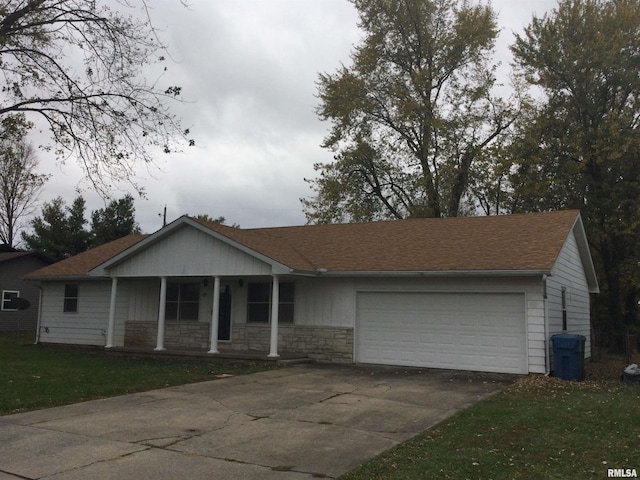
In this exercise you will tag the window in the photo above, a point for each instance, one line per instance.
(183, 302)
(70, 298)
(285, 305)
(9, 300)
(259, 302)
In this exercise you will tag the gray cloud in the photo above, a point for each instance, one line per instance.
(248, 70)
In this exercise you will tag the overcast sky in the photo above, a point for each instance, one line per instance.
(248, 69)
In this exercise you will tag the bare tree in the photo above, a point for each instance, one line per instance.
(19, 182)
(80, 66)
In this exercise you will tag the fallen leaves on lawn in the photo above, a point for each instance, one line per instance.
(599, 375)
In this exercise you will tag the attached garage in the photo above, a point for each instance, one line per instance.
(467, 331)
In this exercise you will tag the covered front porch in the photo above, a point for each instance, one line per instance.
(208, 314)
(189, 287)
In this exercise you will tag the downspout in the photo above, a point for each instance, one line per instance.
(39, 315)
(547, 352)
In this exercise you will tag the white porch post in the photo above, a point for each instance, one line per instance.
(215, 316)
(161, 313)
(275, 300)
(112, 313)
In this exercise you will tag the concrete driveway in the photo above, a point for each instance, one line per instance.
(298, 422)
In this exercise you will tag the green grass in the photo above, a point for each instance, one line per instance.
(539, 428)
(40, 376)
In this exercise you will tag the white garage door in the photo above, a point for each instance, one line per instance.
(463, 331)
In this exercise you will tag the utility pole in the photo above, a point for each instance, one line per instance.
(164, 216)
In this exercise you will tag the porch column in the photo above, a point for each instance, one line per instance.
(215, 316)
(161, 313)
(275, 300)
(112, 313)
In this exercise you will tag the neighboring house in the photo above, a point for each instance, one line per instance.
(473, 293)
(14, 265)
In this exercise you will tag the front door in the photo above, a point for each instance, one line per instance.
(224, 319)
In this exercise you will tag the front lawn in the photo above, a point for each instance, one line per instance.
(538, 428)
(39, 376)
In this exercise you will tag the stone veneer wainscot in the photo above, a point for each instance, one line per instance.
(323, 344)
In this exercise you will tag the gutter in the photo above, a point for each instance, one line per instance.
(69, 278)
(547, 352)
(38, 323)
(420, 274)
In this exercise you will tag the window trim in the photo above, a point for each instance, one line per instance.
(5, 300)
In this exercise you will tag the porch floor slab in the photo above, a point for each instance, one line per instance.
(227, 354)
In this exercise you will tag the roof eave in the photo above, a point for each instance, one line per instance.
(424, 273)
(59, 278)
(585, 255)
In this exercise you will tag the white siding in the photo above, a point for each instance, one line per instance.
(568, 272)
(190, 252)
(325, 302)
(332, 302)
(144, 295)
(535, 329)
(89, 325)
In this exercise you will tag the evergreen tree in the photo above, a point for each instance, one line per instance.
(114, 221)
(59, 233)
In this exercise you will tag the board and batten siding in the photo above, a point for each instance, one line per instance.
(189, 252)
(536, 342)
(87, 326)
(325, 302)
(333, 301)
(144, 297)
(568, 272)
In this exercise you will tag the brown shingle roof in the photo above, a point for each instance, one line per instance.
(79, 265)
(6, 256)
(505, 242)
(525, 242)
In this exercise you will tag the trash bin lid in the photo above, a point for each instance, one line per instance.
(565, 340)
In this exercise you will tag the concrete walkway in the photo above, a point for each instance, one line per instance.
(298, 422)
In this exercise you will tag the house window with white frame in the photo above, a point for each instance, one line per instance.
(70, 298)
(10, 300)
(259, 302)
(183, 302)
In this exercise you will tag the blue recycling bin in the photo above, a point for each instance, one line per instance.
(568, 356)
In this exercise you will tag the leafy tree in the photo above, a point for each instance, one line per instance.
(114, 221)
(19, 182)
(59, 233)
(579, 149)
(219, 220)
(78, 65)
(412, 113)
